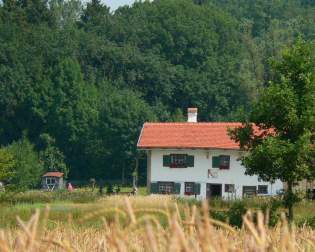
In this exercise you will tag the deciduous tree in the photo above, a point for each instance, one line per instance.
(285, 115)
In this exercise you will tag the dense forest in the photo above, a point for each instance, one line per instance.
(77, 80)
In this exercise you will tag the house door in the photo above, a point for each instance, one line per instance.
(249, 191)
(214, 190)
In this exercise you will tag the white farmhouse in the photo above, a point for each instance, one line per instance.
(198, 160)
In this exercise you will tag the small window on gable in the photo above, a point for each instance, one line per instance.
(262, 189)
(229, 188)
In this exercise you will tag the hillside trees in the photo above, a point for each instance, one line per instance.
(285, 113)
(121, 114)
(69, 70)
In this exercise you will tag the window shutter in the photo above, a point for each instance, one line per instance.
(190, 161)
(166, 160)
(197, 188)
(177, 188)
(215, 161)
(154, 187)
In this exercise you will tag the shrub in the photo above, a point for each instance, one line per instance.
(236, 212)
(272, 207)
(27, 166)
(219, 215)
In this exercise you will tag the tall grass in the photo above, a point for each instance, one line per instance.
(136, 224)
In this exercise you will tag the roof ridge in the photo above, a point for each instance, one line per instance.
(192, 123)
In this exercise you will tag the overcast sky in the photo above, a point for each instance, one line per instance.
(114, 4)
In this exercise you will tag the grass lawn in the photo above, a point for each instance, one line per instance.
(142, 223)
(85, 221)
(86, 208)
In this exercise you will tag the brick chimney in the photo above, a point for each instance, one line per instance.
(192, 114)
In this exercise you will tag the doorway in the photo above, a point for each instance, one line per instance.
(214, 191)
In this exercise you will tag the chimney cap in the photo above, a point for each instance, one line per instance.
(192, 110)
(192, 115)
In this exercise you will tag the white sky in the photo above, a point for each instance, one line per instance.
(114, 4)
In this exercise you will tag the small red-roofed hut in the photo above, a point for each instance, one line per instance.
(53, 181)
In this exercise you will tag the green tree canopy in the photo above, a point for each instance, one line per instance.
(6, 165)
(51, 157)
(27, 166)
(64, 63)
(285, 114)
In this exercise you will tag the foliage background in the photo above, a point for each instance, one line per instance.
(89, 78)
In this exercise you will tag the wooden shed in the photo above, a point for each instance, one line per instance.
(53, 181)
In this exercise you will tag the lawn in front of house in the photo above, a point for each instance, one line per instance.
(86, 207)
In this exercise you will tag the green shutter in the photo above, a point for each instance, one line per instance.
(166, 160)
(215, 161)
(177, 188)
(197, 188)
(154, 187)
(190, 161)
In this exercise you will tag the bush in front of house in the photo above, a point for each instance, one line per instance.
(219, 215)
(271, 208)
(233, 211)
(236, 212)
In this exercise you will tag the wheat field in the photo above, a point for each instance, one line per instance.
(136, 224)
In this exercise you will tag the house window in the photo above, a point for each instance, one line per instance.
(262, 189)
(229, 188)
(166, 187)
(50, 181)
(178, 161)
(222, 162)
(189, 188)
(249, 191)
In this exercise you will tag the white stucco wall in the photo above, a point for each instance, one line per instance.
(199, 173)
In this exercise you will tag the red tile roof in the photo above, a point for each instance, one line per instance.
(53, 174)
(187, 135)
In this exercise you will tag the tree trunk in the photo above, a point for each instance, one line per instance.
(290, 201)
(123, 174)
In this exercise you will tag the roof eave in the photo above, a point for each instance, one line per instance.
(188, 147)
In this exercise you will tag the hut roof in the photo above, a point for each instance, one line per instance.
(54, 174)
